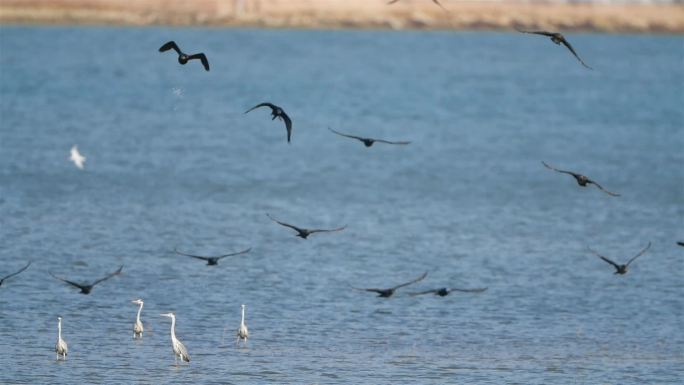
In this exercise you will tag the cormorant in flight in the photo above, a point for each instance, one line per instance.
(621, 269)
(558, 39)
(304, 233)
(443, 292)
(183, 57)
(212, 261)
(581, 179)
(85, 287)
(367, 141)
(386, 293)
(13, 274)
(277, 112)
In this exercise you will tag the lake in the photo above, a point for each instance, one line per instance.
(173, 162)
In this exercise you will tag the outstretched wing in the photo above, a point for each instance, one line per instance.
(245, 251)
(543, 33)
(424, 292)
(347, 135)
(568, 46)
(270, 105)
(559, 170)
(605, 259)
(680, 243)
(602, 189)
(379, 291)
(283, 223)
(478, 290)
(170, 45)
(411, 282)
(72, 283)
(392, 1)
(403, 143)
(175, 250)
(202, 58)
(13, 274)
(117, 272)
(288, 125)
(327, 230)
(640, 253)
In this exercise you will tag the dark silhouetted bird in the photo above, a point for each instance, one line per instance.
(212, 261)
(621, 269)
(443, 291)
(581, 179)
(304, 233)
(183, 57)
(367, 141)
(85, 287)
(15, 273)
(386, 293)
(558, 39)
(277, 112)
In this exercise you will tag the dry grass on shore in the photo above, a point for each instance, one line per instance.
(349, 14)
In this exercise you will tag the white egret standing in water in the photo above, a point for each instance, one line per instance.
(242, 333)
(138, 326)
(61, 347)
(179, 350)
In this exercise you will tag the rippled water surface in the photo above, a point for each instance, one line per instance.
(172, 161)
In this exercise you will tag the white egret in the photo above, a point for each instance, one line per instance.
(243, 332)
(138, 326)
(179, 350)
(61, 347)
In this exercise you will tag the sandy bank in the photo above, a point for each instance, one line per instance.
(349, 14)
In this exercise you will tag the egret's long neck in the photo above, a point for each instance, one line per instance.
(139, 311)
(59, 329)
(243, 316)
(173, 327)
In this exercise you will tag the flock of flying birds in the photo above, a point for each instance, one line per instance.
(242, 334)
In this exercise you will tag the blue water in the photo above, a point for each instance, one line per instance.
(172, 161)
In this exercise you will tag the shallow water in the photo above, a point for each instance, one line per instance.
(172, 161)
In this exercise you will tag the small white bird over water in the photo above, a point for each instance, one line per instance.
(61, 346)
(76, 157)
(242, 333)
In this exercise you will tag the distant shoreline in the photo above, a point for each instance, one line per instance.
(350, 14)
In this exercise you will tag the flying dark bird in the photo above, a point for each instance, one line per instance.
(680, 243)
(85, 287)
(581, 179)
(443, 292)
(386, 293)
(277, 112)
(621, 269)
(304, 233)
(434, 1)
(212, 261)
(367, 141)
(13, 274)
(558, 39)
(183, 57)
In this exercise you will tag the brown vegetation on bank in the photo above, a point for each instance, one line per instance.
(350, 14)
